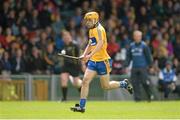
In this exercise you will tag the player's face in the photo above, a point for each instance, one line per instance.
(89, 23)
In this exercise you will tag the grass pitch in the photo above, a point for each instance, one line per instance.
(95, 110)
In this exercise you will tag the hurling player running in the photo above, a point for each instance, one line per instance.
(99, 62)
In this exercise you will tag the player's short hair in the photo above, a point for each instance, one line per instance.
(92, 16)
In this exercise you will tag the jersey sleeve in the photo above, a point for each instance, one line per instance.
(100, 34)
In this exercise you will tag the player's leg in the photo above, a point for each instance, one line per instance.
(108, 85)
(64, 83)
(88, 76)
(104, 69)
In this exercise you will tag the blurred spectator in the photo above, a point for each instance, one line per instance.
(24, 34)
(32, 21)
(167, 80)
(22, 18)
(59, 44)
(113, 47)
(11, 20)
(13, 47)
(77, 17)
(36, 63)
(28, 23)
(49, 33)
(118, 63)
(177, 48)
(45, 16)
(161, 54)
(1, 64)
(18, 63)
(176, 66)
(42, 43)
(168, 44)
(159, 10)
(51, 60)
(2, 39)
(125, 42)
(9, 36)
(58, 25)
(143, 17)
(81, 38)
(5, 61)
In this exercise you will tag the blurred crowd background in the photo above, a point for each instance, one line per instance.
(30, 31)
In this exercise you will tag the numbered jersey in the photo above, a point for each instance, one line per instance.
(96, 34)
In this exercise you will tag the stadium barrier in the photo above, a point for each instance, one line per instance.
(15, 90)
(47, 87)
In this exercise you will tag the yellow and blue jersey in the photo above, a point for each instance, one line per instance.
(100, 61)
(95, 35)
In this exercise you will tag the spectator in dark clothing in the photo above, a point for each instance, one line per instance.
(11, 20)
(176, 66)
(159, 10)
(177, 48)
(45, 17)
(18, 63)
(32, 21)
(36, 64)
(169, 8)
(42, 44)
(22, 18)
(3, 13)
(143, 18)
(51, 60)
(5, 61)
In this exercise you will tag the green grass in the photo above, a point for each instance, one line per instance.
(95, 110)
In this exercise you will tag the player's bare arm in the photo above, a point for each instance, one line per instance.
(86, 52)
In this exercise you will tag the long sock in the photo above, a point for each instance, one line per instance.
(64, 92)
(123, 84)
(82, 103)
